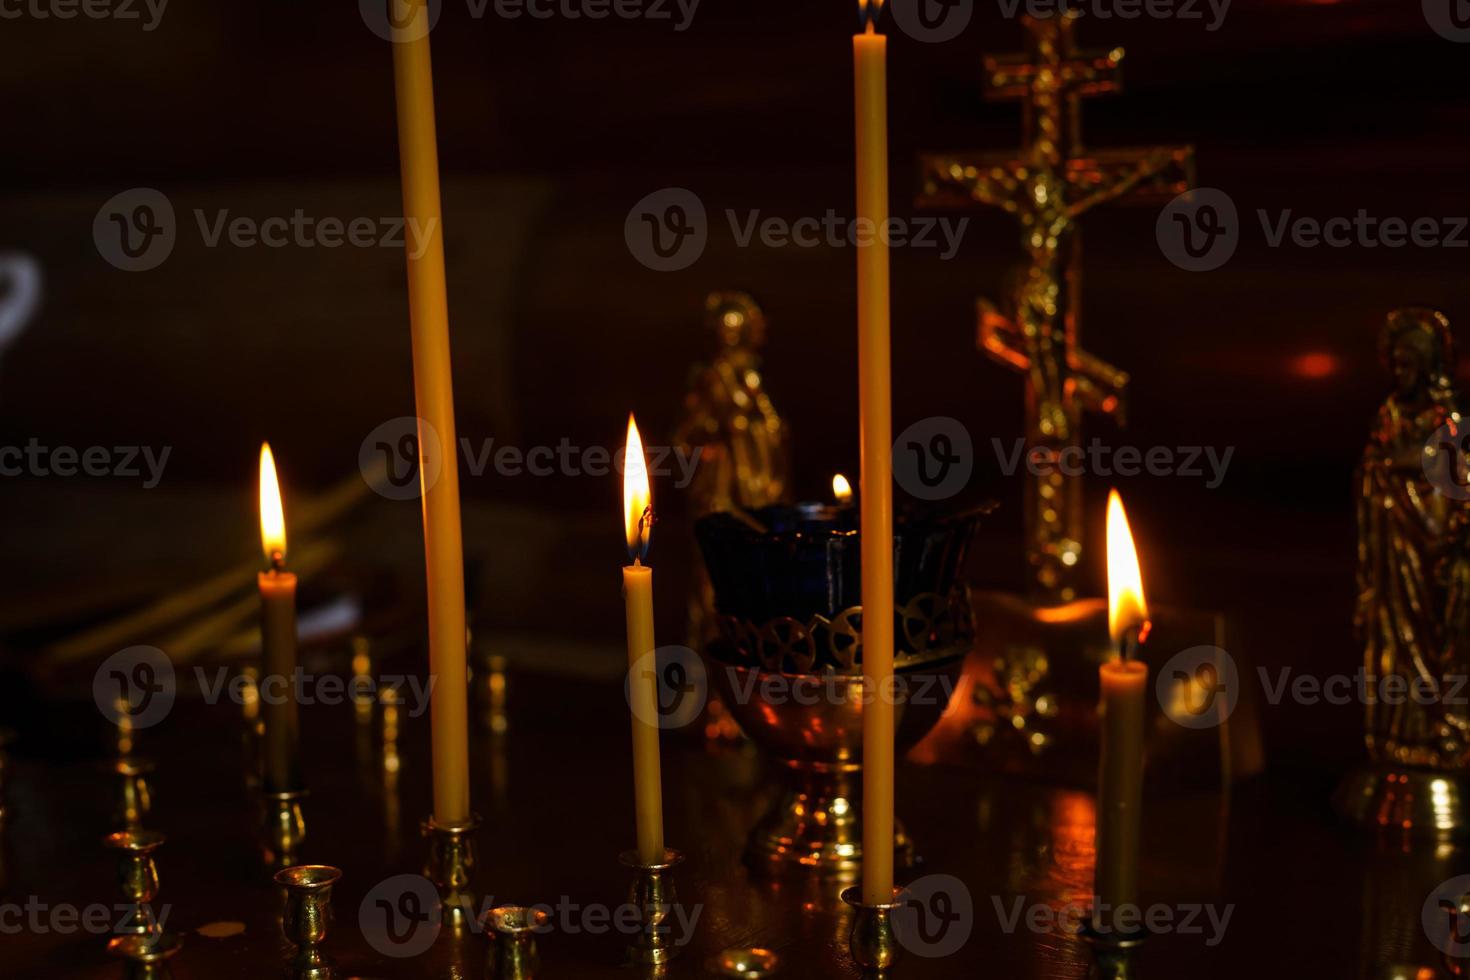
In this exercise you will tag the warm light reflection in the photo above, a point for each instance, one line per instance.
(1314, 365)
(1126, 606)
(637, 499)
(841, 489)
(272, 519)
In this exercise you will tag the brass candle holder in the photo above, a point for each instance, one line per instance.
(134, 792)
(283, 828)
(654, 896)
(308, 916)
(144, 957)
(872, 942)
(1113, 952)
(140, 942)
(513, 954)
(451, 866)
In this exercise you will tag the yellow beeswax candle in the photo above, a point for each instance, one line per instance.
(434, 396)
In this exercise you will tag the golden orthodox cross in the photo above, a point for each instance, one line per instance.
(1048, 186)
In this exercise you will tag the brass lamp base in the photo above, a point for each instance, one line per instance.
(816, 825)
(1420, 802)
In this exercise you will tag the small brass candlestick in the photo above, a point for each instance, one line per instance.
(872, 942)
(308, 916)
(513, 954)
(135, 794)
(451, 866)
(654, 896)
(137, 876)
(1112, 952)
(283, 828)
(140, 941)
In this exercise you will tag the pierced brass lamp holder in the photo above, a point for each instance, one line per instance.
(308, 916)
(872, 942)
(450, 865)
(1113, 952)
(283, 828)
(513, 954)
(654, 896)
(1423, 803)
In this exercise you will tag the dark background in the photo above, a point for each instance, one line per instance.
(549, 132)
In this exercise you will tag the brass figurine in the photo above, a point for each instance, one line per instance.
(744, 446)
(1413, 606)
(1048, 188)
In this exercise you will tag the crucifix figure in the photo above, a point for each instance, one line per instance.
(1048, 187)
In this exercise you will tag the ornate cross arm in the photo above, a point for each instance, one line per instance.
(958, 180)
(1141, 176)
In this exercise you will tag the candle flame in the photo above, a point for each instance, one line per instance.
(868, 11)
(1126, 606)
(637, 499)
(272, 518)
(841, 489)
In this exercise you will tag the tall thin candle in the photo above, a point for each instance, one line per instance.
(277, 638)
(642, 689)
(434, 395)
(1124, 685)
(870, 76)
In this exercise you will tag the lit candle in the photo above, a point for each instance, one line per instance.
(434, 396)
(870, 77)
(277, 637)
(1124, 684)
(642, 684)
(841, 490)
